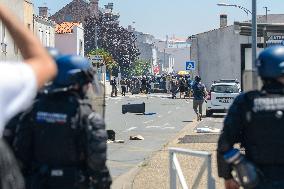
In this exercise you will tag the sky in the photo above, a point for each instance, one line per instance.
(180, 18)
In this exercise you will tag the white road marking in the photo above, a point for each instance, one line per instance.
(130, 129)
(166, 124)
(169, 112)
(146, 122)
(160, 116)
(150, 127)
(168, 128)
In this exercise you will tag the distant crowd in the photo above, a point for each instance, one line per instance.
(174, 84)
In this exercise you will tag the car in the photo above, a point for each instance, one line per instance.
(221, 96)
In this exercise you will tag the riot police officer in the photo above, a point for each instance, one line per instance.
(199, 95)
(10, 128)
(256, 120)
(61, 142)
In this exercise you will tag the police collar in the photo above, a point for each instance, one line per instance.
(273, 87)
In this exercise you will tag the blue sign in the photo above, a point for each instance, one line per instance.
(190, 65)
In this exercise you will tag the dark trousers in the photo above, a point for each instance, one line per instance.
(114, 90)
(197, 106)
(123, 90)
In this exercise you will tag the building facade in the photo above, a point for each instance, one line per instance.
(45, 30)
(225, 54)
(178, 51)
(28, 14)
(148, 51)
(8, 49)
(69, 38)
(76, 11)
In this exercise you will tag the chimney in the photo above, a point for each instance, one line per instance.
(43, 12)
(94, 8)
(129, 28)
(223, 20)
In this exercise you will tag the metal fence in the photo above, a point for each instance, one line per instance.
(176, 171)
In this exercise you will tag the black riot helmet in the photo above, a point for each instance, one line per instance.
(270, 63)
(74, 71)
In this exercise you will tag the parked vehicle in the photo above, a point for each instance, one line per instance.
(221, 96)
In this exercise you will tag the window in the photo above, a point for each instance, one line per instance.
(40, 34)
(16, 49)
(68, 18)
(81, 47)
(3, 39)
(47, 38)
(225, 89)
(3, 33)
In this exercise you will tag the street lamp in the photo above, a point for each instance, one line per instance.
(234, 5)
(253, 35)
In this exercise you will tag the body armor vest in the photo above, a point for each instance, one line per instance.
(264, 128)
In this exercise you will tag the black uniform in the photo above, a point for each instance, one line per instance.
(256, 121)
(61, 143)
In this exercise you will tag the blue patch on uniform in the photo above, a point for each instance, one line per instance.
(47, 117)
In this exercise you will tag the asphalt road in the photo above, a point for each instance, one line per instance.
(213, 124)
(166, 117)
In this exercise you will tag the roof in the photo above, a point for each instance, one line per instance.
(66, 27)
(271, 18)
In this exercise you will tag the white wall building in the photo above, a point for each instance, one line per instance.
(69, 38)
(179, 51)
(8, 49)
(44, 29)
(225, 54)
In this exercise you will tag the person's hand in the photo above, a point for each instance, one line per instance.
(231, 184)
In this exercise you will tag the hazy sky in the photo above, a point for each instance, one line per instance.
(176, 17)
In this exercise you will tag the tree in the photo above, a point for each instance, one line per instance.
(140, 68)
(116, 40)
(108, 59)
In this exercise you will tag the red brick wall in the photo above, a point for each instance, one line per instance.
(76, 11)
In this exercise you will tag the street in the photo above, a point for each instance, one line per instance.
(164, 118)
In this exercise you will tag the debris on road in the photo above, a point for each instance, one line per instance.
(137, 137)
(111, 135)
(118, 141)
(115, 141)
(133, 108)
(151, 113)
(207, 130)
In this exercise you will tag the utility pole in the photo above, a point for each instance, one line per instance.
(266, 13)
(254, 45)
(164, 58)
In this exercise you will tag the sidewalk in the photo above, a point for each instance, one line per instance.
(154, 173)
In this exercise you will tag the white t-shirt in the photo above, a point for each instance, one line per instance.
(18, 87)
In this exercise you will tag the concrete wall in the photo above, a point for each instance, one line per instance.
(69, 43)
(79, 32)
(28, 14)
(8, 49)
(218, 54)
